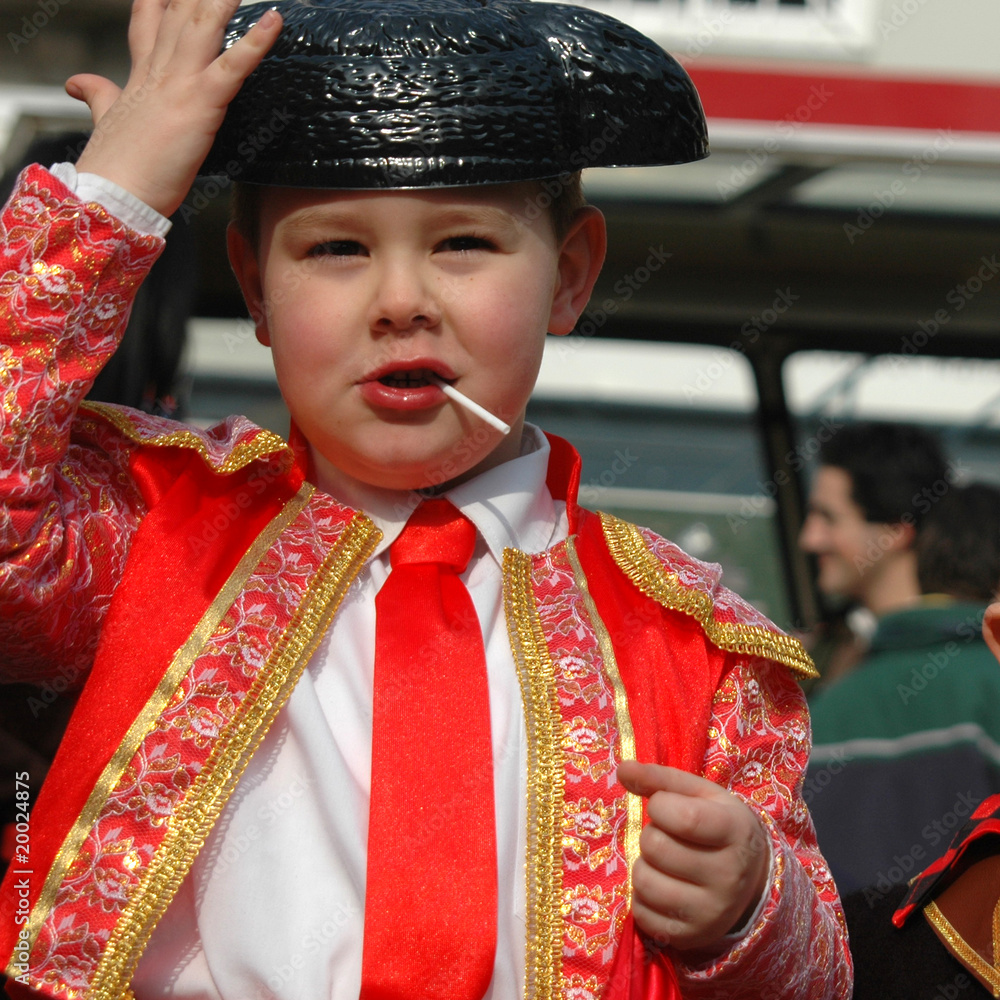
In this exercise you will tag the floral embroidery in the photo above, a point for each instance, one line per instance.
(586, 735)
(585, 904)
(594, 876)
(50, 592)
(588, 819)
(154, 803)
(108, 889)
(578, 988)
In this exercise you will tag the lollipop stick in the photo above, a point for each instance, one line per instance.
(452, 393)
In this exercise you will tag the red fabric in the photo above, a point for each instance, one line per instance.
(176, 567)
(563, 477)
(640, 972)
(431, 896)
(668, 669)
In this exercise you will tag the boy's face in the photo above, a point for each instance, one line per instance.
(361, 295)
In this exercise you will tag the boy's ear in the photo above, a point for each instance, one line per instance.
(991, 629)
(581, 256)
(243, 260)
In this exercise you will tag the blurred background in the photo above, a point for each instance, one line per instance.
(834, 259)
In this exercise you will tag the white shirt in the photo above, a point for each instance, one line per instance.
(274, 905)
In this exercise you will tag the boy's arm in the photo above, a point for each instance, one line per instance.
(796, 946)
(67, 274)
(67, 508)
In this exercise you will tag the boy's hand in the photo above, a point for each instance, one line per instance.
(703, 858)
(152, 137)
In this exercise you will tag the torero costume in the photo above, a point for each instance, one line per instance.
(192, 576)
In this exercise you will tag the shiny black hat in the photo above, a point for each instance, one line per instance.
(431, 93)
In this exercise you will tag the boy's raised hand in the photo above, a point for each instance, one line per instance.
(703, 858)
(152, 136)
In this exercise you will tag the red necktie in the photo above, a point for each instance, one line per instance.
(431, 896)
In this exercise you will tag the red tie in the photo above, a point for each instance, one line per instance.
(431, 896)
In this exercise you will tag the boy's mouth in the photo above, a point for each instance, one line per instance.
(411, 378)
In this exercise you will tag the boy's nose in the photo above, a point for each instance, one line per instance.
(404, 301)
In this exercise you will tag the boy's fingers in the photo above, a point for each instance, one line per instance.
(668, 896)
(648, 779)
(240, 60)
(97, 92)
(143, 26)
(201, 30)
(189, 35)
(692, 820)
(682, 805)
(676, 858)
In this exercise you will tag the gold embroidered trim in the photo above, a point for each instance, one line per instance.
(957, 943)
(996, 931)
(261, 444)
(543, 724)
(626, 734)
(629, 550)
(194, 818)
(154, 708)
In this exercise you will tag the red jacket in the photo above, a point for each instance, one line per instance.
(140, 554)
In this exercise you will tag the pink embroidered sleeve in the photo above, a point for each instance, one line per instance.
(68, 272)
(758, 748)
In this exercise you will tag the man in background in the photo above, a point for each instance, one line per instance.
(874, 487)
(907, 744)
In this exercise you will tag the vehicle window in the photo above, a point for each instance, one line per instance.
(958, 397)
(668, 438)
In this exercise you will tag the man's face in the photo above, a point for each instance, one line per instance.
(847, 547)
(363, 295)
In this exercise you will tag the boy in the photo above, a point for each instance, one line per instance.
(268, 805)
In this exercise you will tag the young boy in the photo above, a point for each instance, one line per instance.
(327, 753)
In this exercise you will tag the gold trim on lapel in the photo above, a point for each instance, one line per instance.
(626, 734)
(543, 723)
(987, 973)
(154, 708)
(190, 825)
(263, 443)
(641, 566)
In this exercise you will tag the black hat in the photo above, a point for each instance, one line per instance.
(431, 93)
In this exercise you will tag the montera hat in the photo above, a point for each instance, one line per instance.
(430, 93)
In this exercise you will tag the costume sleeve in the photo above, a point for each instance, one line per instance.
(797, 947)
(68, 509)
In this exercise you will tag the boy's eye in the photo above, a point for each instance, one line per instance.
(460, 243)
(337, 248)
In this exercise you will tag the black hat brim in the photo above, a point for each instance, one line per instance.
(429, 93)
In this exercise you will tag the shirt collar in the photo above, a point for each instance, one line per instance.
(510, 505)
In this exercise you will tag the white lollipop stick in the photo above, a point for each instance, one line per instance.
(452, 393)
